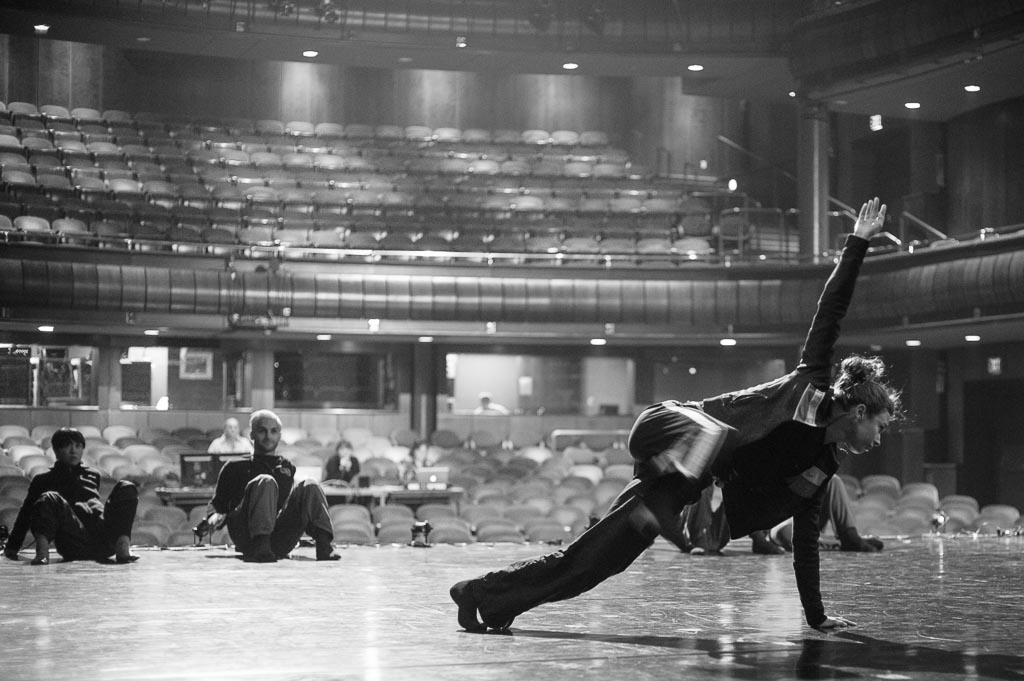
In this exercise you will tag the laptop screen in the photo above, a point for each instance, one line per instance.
(200, 469)
(314, 473)
(432, 476)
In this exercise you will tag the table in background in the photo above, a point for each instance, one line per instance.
(188, 498)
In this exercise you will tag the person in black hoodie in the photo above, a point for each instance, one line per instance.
(772, 448)
(265, 511)
(63, 508)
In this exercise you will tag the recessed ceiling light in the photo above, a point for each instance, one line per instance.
(426, 339)
(143, 39)
(41, 29)
(323, 336)
(598, 341)
(151, 332)
(570, 66)
(695, 67)
(913, 105)
(46, 329)
(972, 88)
(727, 342)
(733, 185)
(792, 93)
(310, 54)
(972, 338)
(404, 60)
(913, 343)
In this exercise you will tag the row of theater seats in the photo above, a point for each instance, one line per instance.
(115, 119)
(371, 245)
(154, 148)
(884, 506)
(522, 494)
(180, 184)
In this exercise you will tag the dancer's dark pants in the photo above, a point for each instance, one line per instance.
(667, 439)
(305, 510)
(84, 533)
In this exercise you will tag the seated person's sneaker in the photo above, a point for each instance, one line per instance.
(326, 552)
(761, 543)
(851, 541)
(260, 551)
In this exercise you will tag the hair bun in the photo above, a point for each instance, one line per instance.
(860, 369)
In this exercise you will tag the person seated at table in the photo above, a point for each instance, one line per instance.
(63, 508)
(489, 407)
(265, 510)
(232, 441)
(343, 464)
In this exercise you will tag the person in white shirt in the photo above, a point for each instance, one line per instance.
(489, 407)
(232, 441)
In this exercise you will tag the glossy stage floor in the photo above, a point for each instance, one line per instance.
(927, 608)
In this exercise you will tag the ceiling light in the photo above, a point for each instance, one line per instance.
(598, 341)
(143, 39)
(875, 122)
(727, 342)
(426, 339)
(460, 41)
(913, 343)
(41, 29)
(972, 338)
(310, 54)
(733, 185)
(792, 93)
(972, 88)
(373, 325)
(151, 332)
(404, 60)
(570, 66)
(695, 67)
(913, 105)
(323, 336)
(46, 329)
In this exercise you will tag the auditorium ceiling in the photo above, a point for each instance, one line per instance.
(742, 57)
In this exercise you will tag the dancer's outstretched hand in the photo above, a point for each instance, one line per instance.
(870, 220)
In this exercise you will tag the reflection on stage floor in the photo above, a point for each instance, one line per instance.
(927, 608)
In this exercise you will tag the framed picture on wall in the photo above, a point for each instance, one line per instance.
(195, 364)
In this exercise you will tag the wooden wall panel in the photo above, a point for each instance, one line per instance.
(985, 168)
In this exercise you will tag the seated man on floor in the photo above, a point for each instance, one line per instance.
(63, 508)
(266, 512)
(704, 528)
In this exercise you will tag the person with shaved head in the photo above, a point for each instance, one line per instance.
(265, 510)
